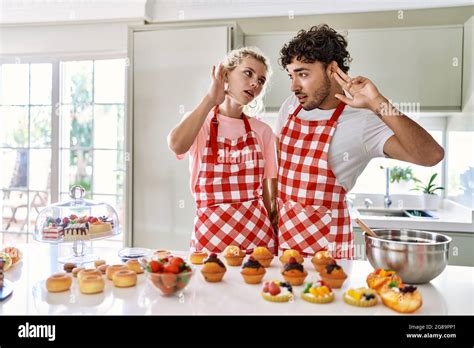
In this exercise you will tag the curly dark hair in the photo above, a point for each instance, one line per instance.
(320, 43)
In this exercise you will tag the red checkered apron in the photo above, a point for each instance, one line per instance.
(311, 202)
(228, 194)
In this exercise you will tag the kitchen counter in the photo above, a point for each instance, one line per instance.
(450, 217)
(450, 293)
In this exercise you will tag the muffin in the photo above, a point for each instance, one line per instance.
(361, 297)
(233, 255)
(214, 269)
(284, 259)
(263, 255)
(198, 257)
(275, 291)
(294, 272)
(333, 275)
(321, 259)
(252, 271)
(318, 292)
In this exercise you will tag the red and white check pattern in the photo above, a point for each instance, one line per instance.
(312, 207)
(228, 195)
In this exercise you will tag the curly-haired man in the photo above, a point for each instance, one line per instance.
(329, 130)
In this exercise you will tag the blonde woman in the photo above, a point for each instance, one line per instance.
(232, 157)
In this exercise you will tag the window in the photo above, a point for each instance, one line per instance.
(89, 144)
(372, 179)
(25, 146)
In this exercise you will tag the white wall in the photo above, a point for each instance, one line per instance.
(64, 39)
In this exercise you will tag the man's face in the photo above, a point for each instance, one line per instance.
(309, 82)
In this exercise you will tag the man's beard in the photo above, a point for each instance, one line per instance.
(319, 96)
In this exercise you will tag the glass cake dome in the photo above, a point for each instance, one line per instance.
(76, 221)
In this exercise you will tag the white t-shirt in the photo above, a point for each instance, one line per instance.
(360, 136)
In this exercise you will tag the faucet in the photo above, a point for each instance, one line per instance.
(387, 202)
(368, 202)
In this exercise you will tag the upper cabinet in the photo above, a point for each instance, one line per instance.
(420, 66)
(412, 65)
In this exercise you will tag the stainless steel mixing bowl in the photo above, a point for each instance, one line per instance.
(417, 256)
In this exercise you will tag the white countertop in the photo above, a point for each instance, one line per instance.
(449, 293)
(450, 217)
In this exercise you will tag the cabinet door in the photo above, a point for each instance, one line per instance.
(171, 70)
(411, 65)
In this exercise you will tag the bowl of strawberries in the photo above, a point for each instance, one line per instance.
(169, 275)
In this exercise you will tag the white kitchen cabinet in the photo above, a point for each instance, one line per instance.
(169, 74)
(409, 65)
(412, 65)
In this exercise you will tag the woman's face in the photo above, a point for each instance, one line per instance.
(246, 81)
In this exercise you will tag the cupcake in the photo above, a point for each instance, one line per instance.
(401, 298)
(361, 297)
(381, 278)
(198, 257)
(275, 291)
(291, 253)
(321, 259)
(252, 271)
(294, 272)
(333, 275)
(214, 269)
(263, 255)
(233, 255)
(318, 292)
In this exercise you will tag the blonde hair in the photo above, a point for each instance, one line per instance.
(234, 58)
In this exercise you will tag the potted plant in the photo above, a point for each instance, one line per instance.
(431, 199)
(400, 178)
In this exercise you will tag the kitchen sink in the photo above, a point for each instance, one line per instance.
(409, 213)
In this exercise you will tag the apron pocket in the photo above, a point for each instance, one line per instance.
(304, 228)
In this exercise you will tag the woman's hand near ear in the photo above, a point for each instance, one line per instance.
(183, 135)
(216, 91)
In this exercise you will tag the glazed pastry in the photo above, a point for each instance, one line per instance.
(252, 271)
(400, 297)
(7, 260)
(75, 271)
(98, 263)
(68, 267)
(58, 282)
(285, 258)
(275, 291)
(321, 259)
(333, 275)
(214, 269)
(135, 266)
(124, 278)
(114, 268)
(161, 254)
(361, 297)
(380, 278)
(91, 284)
(263, 255)
(294, 272)
(233, 255)
(318, 292)
(198, 257)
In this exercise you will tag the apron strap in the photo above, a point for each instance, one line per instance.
(214, 131)
(297, 110)
(338, 111)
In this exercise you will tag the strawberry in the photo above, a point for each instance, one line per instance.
(273, 289)
(169, 268)
(266, 286)
(168, 279)
(176, 261)
(155, 267)
(65, 221)
(73, 217)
